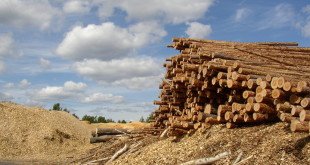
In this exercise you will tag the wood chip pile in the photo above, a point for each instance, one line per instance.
(212, 82)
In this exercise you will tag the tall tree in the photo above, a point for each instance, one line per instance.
(150, 117)
(142, 119)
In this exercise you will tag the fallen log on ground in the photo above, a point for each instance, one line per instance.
(104, 138)
(208, 160)
(109, 131)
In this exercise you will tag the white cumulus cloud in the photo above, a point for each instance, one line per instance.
(69, 90)
(103, 98)
(8, 48)
(2, 67)
(279, 16)
(172, 11)
(76, 6)
(198, 30)
(8, 85)
(44, 64)
(134, 73)
(305, 28)
(24, 83)
(27, 13)
(107, 41)
(5, 96)
(242, 14)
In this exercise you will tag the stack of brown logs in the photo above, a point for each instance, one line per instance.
(213, 82)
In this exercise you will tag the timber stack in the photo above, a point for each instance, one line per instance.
(212, 82)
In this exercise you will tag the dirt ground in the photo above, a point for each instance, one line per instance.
(33, 135)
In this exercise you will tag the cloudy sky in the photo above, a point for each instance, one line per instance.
(104, 57)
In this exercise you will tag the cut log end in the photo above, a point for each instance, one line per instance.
(298, 126)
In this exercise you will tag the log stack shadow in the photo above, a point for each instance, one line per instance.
(212, 82)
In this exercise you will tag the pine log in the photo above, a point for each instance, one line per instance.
(264, 108)
(212, 120)
(110, 131)
(251, 83)
(303, 89)
(304, 115)
(251, 100)
(197, 125)
(202, 116)
(294, 99)
(299, 126)
(287, 86)
(229, 116)
(246, 94)
(265, 85)
(249, 107)
(101, 139)
(222, 109)
(230, 125)
(238, 118)
(296, 110)
(278, 94)
(233, 84)
(209, 109)
(286, 107)
(280, 82)
(305, 102)
(286, 117)
(263, 99)
(207, 160)
(260, 117)
(248, 118)
(274, 83)
(238, 77)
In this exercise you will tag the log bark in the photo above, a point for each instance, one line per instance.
(298, 126)
(304, 115)
(101, 139)
(109, 131)
(296, 110)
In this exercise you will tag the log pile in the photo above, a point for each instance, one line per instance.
(212, 82)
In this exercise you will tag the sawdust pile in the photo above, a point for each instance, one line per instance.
(262, 144)
(132, 125)
(34, 133)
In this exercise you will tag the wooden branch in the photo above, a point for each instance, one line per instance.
(208, 160)
(244, 160)
(118, 153)
(238, 158)
(164, 134)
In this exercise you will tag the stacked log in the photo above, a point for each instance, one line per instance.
(212, 82)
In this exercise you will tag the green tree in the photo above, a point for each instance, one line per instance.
(56, 107)
(91, 119)
(142, 119)
(110, 121)
(150, 117)
(75, 116)
(123, 121)
(101, 119)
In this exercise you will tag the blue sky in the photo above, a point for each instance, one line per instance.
(104, 57)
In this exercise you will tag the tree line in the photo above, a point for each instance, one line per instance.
(97, 119)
